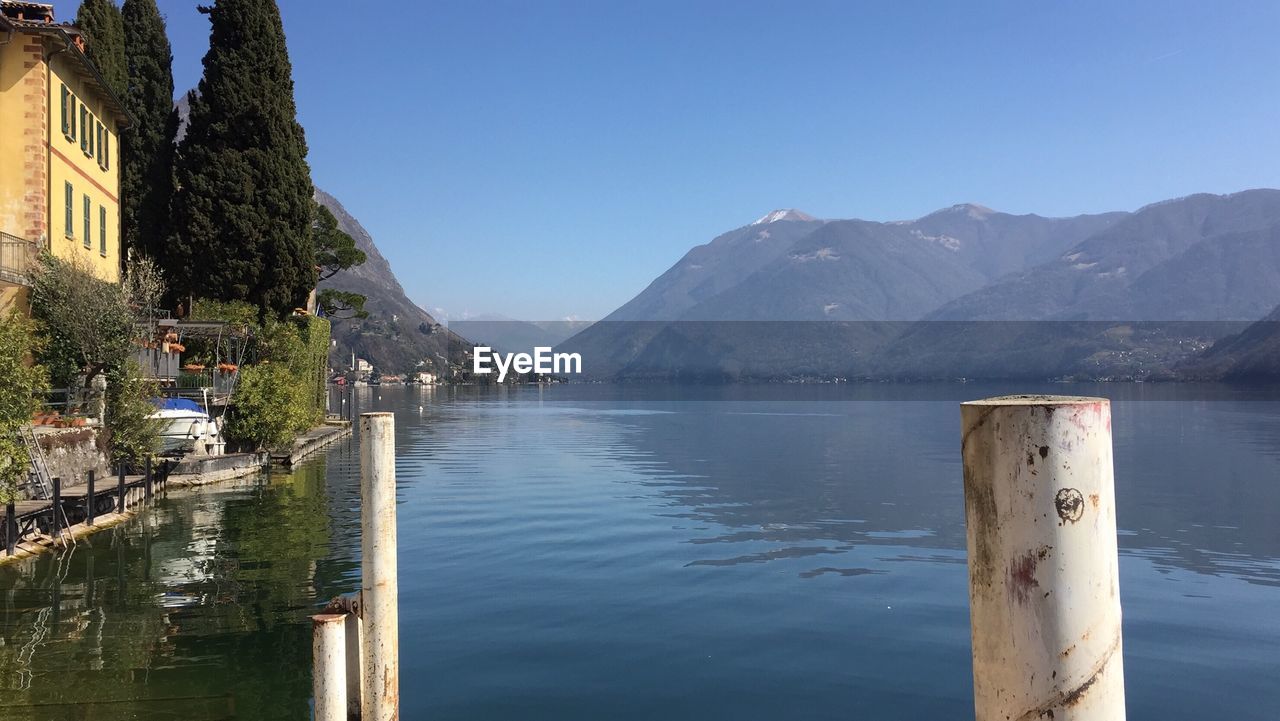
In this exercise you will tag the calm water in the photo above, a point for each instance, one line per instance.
(590, 552)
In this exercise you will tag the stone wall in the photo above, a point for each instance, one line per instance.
(70, 453)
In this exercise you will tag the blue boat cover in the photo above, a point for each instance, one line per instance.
(176, 404)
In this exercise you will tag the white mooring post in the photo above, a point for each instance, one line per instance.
(1044, 595)
(379, 592)
(354, 676)
(329, 659)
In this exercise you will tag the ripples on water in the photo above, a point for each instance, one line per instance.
(587, 553)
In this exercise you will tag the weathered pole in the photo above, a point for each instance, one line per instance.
(1040, 521)
(120, 490)
(354, 675)
(146, 481)
(56, 507)
(379, 590)
(89, 501)
(329, 666)
(10, 527)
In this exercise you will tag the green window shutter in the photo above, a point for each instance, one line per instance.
(102, 229)
(88, 228)
(66, 122)
(84, 129)
(106, 149)
(71, 112)
(70, 219)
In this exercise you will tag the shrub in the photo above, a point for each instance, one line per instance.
(131, 432)
(269, 407)
(20, 384)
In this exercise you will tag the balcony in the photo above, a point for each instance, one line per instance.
(17, 257)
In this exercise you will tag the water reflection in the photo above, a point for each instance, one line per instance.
(193, 610)
(583, 553)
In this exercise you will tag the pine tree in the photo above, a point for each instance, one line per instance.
(242, 208)
(146, 165)
(103, 28)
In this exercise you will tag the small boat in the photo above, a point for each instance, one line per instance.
(185, 424)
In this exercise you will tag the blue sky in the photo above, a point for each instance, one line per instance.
(544, 159)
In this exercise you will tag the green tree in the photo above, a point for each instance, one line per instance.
(242, 208)
(103, 27)
(20, 383)
(131, 431)
(87, 324)
(335, 250)
(342, 304)
(146, 163)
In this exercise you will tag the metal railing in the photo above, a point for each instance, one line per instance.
(17, 256)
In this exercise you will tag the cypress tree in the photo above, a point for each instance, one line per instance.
(242, 207)
(146, 163)
(103, 29)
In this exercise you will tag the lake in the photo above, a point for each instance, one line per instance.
(589, 552)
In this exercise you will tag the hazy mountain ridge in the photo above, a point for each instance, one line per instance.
(1166, 261)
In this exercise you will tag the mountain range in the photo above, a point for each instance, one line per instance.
(1131, 294)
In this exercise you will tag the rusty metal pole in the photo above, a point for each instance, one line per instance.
(1040, 520)
(354, 675)
(329, 666)
(379, 589)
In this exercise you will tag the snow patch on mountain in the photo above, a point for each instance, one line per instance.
(784, 214)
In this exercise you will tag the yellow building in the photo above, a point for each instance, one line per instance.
(59, 151)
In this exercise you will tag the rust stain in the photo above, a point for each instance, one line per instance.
(1022, 575)
(1070, 698)
(1093, 499)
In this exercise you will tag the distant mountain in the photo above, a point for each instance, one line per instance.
(397, 334)
(715, 267)
(515, 336)
(788, 267)
(1253, 354)
(1202, 257)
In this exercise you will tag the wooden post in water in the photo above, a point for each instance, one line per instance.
(146, 479)
(56, 507)
(120, 497)
(379, 591)
(329, 672)
(88, 500)
(10, 527)
(1040, 521)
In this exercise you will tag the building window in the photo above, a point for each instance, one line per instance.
(102, 230)
(71, 115)
(104, 154)
(70, 220)
(88, 228)
(66, 111)
(84, 129)
(88, 130)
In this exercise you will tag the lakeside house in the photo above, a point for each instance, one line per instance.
(59, 151)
